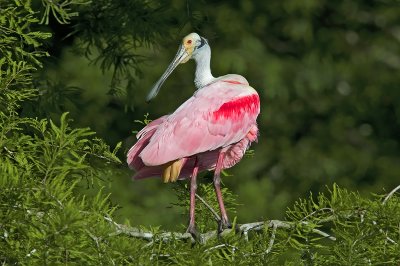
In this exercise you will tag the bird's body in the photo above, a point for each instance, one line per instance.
(210, 131)
(218, 117)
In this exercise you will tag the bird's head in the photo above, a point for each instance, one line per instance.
(192, 44)
(190, 48)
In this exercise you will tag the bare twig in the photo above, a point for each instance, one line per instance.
(384, 233)
(222, 246)
(216, 216)
(319, 232)
(390, 194)
(322, 233)
(317, 211)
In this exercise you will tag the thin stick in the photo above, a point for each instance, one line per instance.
(322, 233)
(216, 216)
(390, 194)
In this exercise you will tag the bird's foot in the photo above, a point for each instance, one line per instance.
(194, 232)
(223, 224)
(226, 224)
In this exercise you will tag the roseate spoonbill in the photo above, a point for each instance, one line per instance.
(210, 131)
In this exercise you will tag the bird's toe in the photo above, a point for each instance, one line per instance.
(223, 225)
(194, 232)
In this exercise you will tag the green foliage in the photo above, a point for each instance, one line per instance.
(363, 231)
(109, 34)
(47, 216)
(62, 10)
(117, 37)
(43, 219)
(19, 53)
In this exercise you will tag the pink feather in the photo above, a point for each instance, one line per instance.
(219, 117)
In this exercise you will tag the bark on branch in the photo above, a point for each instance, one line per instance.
(243, 230)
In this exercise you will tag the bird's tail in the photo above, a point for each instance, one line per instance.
(133, 159)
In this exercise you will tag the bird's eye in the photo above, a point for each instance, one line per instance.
(189, 42)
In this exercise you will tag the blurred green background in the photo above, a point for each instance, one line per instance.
(327, 73)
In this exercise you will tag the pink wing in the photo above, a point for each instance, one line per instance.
(144, 136)
(206, 160)
(216, 116)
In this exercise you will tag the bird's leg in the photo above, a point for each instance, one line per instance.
(224, 223)
(193, 186)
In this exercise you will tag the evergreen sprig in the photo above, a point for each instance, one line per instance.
(110, 33)
(20, 53)
(62, 10)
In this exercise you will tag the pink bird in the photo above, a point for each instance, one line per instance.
(210, 131)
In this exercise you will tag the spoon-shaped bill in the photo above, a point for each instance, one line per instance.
(182, 56)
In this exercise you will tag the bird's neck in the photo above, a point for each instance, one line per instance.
(203, 74)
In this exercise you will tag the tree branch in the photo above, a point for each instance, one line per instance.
(390, 194)
(272, 239)
(243, 230)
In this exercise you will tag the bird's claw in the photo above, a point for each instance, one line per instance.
(223, 224)
(194, 232)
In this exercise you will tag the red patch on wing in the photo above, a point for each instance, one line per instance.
(238, 107)
(233, 82)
